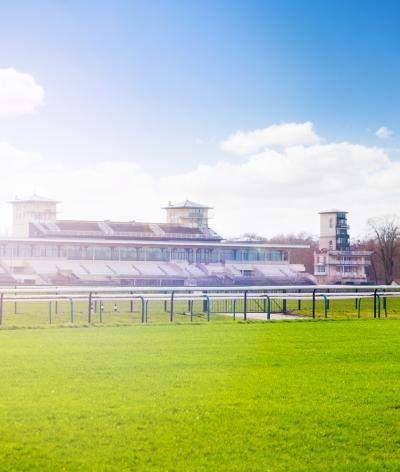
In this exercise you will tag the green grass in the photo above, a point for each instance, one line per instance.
(36, 314)
(28, 314)
(346, 309)
(279, 396)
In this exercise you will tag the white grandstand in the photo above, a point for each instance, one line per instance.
(184, 251)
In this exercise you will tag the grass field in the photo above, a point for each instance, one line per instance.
(37, 314)
(346, 309)
(255, 396)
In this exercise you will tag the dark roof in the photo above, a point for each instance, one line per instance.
(34, 198)
(130, 227)
(77, 225)
(167, 228)
(333, 210)
(118, 230)
(187, 204)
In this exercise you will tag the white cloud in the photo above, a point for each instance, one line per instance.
(384, 133)
(15, 160)
(285, 134)
(19, 93)
(273, 192)
(270, 192)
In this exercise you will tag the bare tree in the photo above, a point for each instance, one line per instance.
(386, 233)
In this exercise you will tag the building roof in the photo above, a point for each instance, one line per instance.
(33, 198)
(333, 210)
(187, 204)
(119, 230)
(153, 243)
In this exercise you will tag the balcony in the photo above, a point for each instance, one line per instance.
(351, 263)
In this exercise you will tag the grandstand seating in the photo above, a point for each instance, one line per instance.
(153, 273)
(5, 277)
(192, 270)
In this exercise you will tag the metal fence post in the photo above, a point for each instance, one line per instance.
(49, 312)
(313, 303)
(101, 312)
(171, 313)
(142, 300)
(375, 293)
(284, 303)
(208, 306)
(90, 307)
(379, 304)
(385, 304)
(205, 302)
(71, 310)
(269, 307)
(245, 305)
(1, 308)
(325, 306)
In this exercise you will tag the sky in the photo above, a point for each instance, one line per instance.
(268, 111)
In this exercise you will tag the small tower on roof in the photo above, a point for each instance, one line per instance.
(334, 231)
(187, 213)
(30, 209)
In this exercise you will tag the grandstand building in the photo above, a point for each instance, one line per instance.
(335, 262)
(182, 251)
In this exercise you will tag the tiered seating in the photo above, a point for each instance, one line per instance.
(190, 269)
(148, 268)
(235, 271)
(214, 269)
(5, 277)
(171, 269)
(74, 267)
(97, 268)
(44, 267)
(123, 268)
(270, 270)
(152, 273)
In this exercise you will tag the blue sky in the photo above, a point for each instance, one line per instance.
(162, 84)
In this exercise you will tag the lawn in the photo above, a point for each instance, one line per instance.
(36, 314)
(258, 396)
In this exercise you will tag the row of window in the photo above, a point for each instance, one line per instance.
(142, 254)
(349, 270)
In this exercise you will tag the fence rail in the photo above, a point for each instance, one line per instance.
(209, 300)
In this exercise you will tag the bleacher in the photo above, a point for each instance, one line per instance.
(154, 273)
(5, 277)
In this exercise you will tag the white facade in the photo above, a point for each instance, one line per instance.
(30, 209)
(187, 213)
(335, 262)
